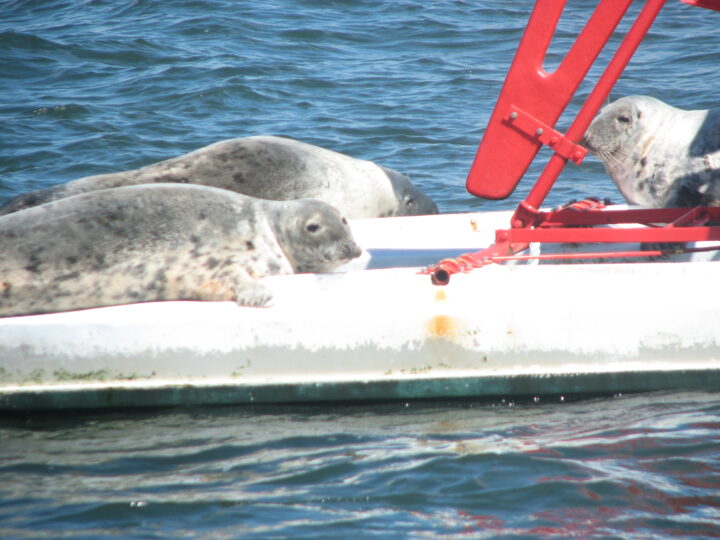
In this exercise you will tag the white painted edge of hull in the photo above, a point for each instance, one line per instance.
(546, 322)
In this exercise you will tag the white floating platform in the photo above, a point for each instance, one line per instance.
(382, 331)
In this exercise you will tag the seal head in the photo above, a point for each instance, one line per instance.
(313, 234)
(656, 154)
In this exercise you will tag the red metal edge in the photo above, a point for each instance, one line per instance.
(707, 4)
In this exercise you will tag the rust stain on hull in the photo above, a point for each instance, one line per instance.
(443, 326)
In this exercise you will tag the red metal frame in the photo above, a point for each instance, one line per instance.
(529, 105)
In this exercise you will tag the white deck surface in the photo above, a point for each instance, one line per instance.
(385, 333)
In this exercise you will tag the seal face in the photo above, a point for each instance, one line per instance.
(161, 242)
(659, 155)
(267, 167)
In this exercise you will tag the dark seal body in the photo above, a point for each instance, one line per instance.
(161, 242)
(267, 167)
(659, 155)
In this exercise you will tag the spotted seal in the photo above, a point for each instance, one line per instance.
(162, 242)
(267, 167)
(659, 155)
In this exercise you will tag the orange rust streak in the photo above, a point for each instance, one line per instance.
(442, 326)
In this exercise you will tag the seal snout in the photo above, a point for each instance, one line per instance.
(351, 250)
(345, 252)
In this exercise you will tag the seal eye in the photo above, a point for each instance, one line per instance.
(410, 202)
(344, 221)
(623, 119)
(312, 227)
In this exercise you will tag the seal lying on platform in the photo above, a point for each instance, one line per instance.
(658, 155)
(269, 168)
(161, 242)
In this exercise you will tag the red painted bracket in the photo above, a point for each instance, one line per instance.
(539, 130)
(504, 153)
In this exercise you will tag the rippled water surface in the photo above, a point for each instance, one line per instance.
(624, 467)
(92, 87)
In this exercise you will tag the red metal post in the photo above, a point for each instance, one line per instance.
(588, 111)
(506, 152)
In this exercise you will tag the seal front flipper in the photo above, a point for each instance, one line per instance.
(250, 293)
(238, 286)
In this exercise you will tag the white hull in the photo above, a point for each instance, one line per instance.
(385, 333)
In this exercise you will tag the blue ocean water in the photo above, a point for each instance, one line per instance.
(99, 86)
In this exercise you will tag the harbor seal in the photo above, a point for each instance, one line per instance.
(162, 242)
(659, 155)
(267, 167)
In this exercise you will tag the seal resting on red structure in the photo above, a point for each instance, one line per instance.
(658, 155)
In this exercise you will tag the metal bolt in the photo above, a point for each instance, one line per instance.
(538, 131)
(513, 115)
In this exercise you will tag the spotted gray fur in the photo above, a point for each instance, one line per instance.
(659, 155)
(267, 167)
(162, 242)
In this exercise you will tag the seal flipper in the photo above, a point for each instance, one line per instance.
(251, 293)
(242, 288)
